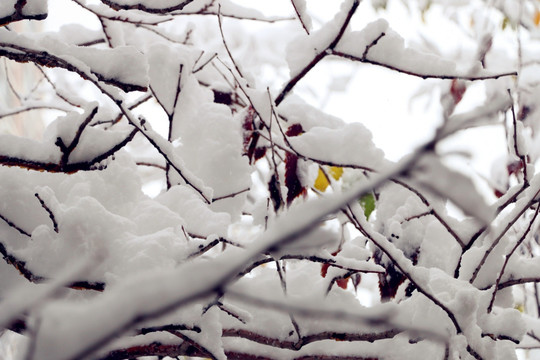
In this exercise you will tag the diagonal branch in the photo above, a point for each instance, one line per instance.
(321, 55)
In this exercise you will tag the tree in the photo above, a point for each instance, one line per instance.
(270, 216)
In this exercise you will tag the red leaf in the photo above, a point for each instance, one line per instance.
(498, 193)
(295, 130)
(324, 269)
(325, 266)
(514, 167)
(342, 283)
(259, 153)
(457, 90)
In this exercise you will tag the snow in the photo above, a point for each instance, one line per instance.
(7, 7)
(35, 7)
(455, 186)
(200, 220)
(227, 8)
(304, 48)
(301, 10)
(80, 327)
(327, 145)
(30, 7)
(165, 64)
(216, 157)
(146, 249)
(377, 43)
(108, 64)
(16, 147)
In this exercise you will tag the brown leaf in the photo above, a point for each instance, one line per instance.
(292, 182)
(275, 193)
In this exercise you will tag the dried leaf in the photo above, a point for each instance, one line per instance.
(292, 182)
(275, 193)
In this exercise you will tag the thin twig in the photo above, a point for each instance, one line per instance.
(13, 225)
(509, 255)
(49, 211)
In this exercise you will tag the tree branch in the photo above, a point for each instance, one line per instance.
(321, 55)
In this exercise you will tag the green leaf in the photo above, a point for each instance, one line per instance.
(367, 202)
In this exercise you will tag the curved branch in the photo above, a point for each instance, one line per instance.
(364, 59)
(142, 7)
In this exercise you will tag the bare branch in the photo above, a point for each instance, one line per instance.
(13, 225)
(49, 211)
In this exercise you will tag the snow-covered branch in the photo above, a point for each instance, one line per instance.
(180, 193)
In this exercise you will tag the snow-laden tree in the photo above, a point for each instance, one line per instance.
(272, 230)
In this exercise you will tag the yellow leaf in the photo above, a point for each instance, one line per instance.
(536, 17)
(321, 183)
(336, 172)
